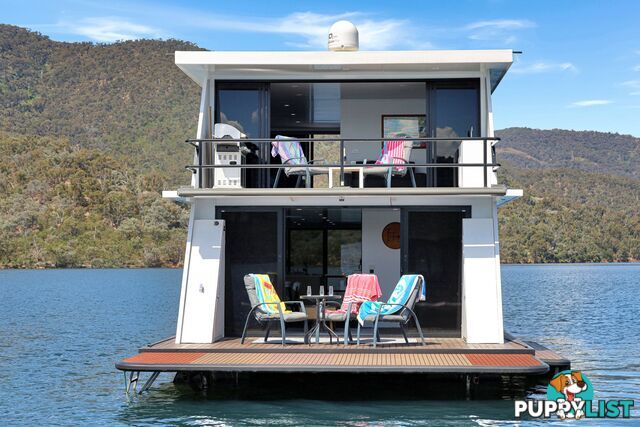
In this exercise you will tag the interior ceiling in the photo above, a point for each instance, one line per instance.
(298, 104)
(282, 92)
(386, 90)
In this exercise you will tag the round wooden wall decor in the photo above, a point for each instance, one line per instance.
(391, 235)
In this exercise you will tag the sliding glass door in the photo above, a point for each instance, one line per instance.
(246, 107)
(454, 108)
(432, 246)
(253, 245)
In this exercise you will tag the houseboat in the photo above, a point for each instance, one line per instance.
(311, 169)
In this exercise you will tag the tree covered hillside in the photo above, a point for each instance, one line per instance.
(124, 98)
(68, 206)
(594, 152)
(90, 134)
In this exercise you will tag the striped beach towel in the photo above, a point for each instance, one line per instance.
(360, 288)
(392, 153)
(266, 293)
(288, 149)
(400, 295)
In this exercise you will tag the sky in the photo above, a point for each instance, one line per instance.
(580, 66)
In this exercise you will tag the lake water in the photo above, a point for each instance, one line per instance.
(62, 330)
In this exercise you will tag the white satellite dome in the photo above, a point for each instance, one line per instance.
(343, 36)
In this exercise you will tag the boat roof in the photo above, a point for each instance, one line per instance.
(358, 65)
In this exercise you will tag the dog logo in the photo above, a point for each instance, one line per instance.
(572, 387)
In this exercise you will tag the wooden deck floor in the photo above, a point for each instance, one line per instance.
(295, 345)
(440, 355)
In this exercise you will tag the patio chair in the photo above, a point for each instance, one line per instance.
(398, 153)
(360, 288)
(292, 155)
(399, 309)
(267, 308)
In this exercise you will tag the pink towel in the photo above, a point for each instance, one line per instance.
(392, 153)
(360, 288)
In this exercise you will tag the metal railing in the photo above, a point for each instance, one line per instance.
(431, 144)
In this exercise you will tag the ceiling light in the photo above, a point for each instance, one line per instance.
(286, 105)
(293, 114)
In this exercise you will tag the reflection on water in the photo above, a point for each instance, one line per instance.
(62, 331)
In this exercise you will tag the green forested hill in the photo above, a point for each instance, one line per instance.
(89, 135)
(123, 98)
(570, 216)
(595, 152)
(66, 206)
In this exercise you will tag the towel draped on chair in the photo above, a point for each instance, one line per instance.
(266, 293)
(400, 295)
(288, 149)
(392, 153)
(360, 288)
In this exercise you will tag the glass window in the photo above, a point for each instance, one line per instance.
(344, 252)
(305, 107)
(241, 109)
(323, 245)
(455, 114)
(305, 252)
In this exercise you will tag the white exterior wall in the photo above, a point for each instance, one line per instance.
(201, 310)
(482, 320)
(376, 256)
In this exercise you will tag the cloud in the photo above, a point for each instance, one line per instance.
(636, 68)
(313, 28)
(634, 85)
(542, 67)
(590, 103)
(497, 29)
(109, 29)
(502, 24)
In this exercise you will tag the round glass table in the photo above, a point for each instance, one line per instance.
(321, 324)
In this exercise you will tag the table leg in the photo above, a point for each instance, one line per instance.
(319, 309)
(330, 177)
(361, 177)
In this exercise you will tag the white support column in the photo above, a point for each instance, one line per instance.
(201, 311)
(490, 133)
(471, 151)
(481, 288)
(203, 125)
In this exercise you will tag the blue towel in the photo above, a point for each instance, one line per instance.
(400, 295)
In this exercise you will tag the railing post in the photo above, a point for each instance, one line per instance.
(484, 156)
(199, 150)
(341, 161)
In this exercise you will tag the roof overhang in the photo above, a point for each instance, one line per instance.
(510, 195)
(359, 65)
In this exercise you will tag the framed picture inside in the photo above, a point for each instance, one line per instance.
(404, 126)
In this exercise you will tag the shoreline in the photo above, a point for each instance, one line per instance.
(547, 264)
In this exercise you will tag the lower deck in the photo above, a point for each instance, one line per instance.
(439, 355)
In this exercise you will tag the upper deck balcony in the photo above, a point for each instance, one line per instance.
(343, 109)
